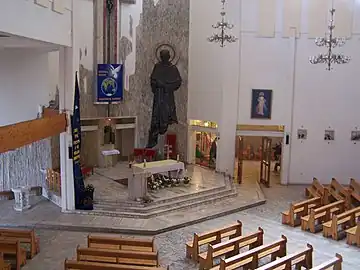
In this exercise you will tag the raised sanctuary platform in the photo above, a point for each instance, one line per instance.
(170, 209)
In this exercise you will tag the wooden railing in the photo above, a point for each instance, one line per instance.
(53, 181)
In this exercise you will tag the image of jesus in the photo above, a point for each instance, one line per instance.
(261, 107)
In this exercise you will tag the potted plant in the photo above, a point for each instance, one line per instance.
(89, 191)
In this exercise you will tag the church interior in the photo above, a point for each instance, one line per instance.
(179, 135)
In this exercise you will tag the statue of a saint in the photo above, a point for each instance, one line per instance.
(165, 80)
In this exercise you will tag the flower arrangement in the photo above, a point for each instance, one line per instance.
(89, 188)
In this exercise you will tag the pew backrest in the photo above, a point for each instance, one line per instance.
(325, 208)
(338, 191)
(10, 246)
(27, 236)
(302, 258)
(251, 258)
(81, 265)
(335, 263)
(354, 186)
(142, 258)
(115, 242)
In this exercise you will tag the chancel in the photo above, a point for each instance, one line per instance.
(192, 134)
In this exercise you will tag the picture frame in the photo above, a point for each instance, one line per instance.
(355, 136)
(329, 135)
(261, 103)
(302, 134)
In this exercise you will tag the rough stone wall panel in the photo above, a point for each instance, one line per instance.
(22, 166)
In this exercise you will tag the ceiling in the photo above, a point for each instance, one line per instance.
(8, 41)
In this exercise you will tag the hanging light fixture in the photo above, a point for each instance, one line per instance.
(330, 42)
(222, 37)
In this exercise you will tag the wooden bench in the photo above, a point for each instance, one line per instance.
(338, 192)
(353, 235)
(334, 264)
(212, 237)
(315, 190)
(4, 265)
(321, 214)
(354, 189)
(12, 247)
(298, 210)
(251, 258)
(142, 258)
(230, 248)
(344, 220)
(299, 259)
(80, 265)
(25, 236)
(115, 242)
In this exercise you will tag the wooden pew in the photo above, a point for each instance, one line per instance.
(344, 220)
(300, 259)
(4, 265)
(80, 265)
(334, 264)
(315, 190)
(354, 189)
(298, 210)
(353, 235)
(230, 248)
(25, 236)
(321, 214)
(251, 258)
(338, 192)
(12, 247)
(114, 242)
(142, 258)
(212, 237)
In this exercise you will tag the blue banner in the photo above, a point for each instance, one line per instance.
(110, 83)
(76, 139)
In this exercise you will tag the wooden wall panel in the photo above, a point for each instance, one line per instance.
(292, 17)
(318, 11)
(344, 18)
(267, 18)
(24, 133)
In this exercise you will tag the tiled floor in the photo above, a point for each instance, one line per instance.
(57, 245)
(107, 189)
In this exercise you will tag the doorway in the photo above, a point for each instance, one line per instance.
(204, 149)
(257, 158)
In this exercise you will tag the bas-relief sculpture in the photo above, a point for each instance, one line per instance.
(165, 80)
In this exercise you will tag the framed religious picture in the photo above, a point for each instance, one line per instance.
(302, 134)
(329, 135)
(261, 102)
(355, 135)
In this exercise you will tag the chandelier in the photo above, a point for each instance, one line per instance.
(222, 37)
(330, 42)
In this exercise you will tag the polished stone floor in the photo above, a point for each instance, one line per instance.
(58, 245)
(108, 189)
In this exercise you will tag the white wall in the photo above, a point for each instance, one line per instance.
(24, 84)
(272, 58)
(49, 22)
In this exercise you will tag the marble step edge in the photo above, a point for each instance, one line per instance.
(161, 201)
(158, 207)
(131, 230)
(114, 213)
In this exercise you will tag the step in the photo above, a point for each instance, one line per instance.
(168, 203)
(121, 213)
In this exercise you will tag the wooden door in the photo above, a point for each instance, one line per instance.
(265, 164)
(240, 158)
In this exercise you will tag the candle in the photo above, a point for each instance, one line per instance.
(178, 157)
(144, 163)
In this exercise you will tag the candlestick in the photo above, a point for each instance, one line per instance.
(144, 163)
(178, 158)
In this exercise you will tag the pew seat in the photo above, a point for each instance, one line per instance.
(297, 210)
(25, 236)
(230, 248)
(115, 242)
(353, 235)
(211, 237)
(13, 247)
(344, 220)
(334, 264)
(142, 258)
(321, 215)
(251, 258)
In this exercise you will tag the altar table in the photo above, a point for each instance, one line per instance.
(138, 184)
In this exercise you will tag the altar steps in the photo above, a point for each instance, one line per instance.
(164, 206)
